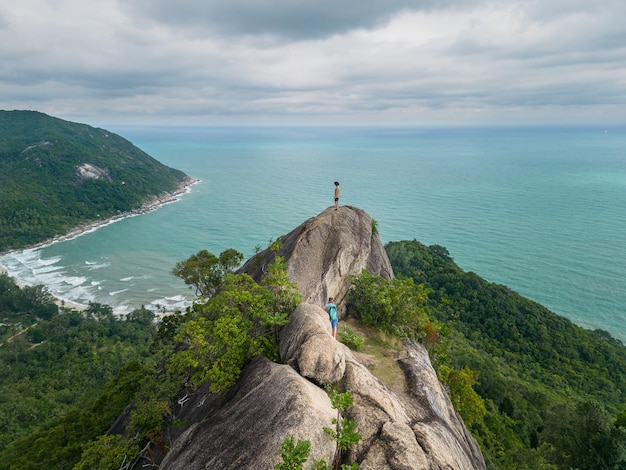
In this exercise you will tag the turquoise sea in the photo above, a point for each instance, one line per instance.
(539, 209)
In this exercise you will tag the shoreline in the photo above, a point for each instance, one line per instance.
(153, 203)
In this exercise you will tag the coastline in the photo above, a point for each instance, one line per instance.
(153, 203)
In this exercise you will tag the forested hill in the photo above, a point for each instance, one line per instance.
(56, 175)
(553, 390)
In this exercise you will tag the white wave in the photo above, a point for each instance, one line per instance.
(28, 267)
(75, 280)
(93, 266)
(47, 269)
(169, 304)
(17, 262)
(79, 294)
(49, 261)
(50, 279)
(176, 298)
(26, 256)
(118, 292)
(122, 309)
(126, 279)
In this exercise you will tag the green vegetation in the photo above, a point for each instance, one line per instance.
(86, 352)
(351, 339)
(205, 271)
(551, 390)
(345, 430)
(399, 307)
(64, 378)
(537, 391)
(293, 455)
(228, 331)
(396, 306)
(233, 321)
(107, 451)
(39, 161)
(62, 443)
(211, 343)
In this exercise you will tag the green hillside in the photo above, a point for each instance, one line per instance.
(55, 175)
(555, 393)
(552, 394)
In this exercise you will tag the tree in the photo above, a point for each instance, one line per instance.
(37, 300)
(462, 394)
(141, 316)
(107, 452)
(100, 312)
(229, 330)
(586, 438)
(344, 434)
(205, 271)
(529, 358)
(285, 294)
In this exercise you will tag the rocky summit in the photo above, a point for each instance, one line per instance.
(416, 428)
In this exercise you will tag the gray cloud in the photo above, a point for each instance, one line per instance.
(293, 19)
(294, 61)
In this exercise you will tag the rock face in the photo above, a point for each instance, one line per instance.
(92, 172)
(324, 250)
(270, 402)
(417, 429)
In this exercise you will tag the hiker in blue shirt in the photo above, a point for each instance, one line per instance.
(331, 309)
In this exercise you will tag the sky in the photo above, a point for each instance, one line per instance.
(266, 62)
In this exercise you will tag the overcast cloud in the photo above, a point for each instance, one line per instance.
(291, 61)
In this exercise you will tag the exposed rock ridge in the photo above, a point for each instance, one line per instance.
(324, 250)
(418, 429)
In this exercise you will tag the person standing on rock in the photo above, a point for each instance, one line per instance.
(331, 309)
(337, 191)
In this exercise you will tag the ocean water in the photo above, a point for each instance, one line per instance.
(539, 209)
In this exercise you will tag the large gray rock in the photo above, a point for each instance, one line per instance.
(307, 345)
(323, 251)
(441, 429)
(417, 429)
(270, 403)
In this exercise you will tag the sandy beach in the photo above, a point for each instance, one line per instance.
(153, 203)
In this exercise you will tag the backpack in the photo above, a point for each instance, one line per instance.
(332, 311)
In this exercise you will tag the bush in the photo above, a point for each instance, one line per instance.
(351, 339)
(396, 306)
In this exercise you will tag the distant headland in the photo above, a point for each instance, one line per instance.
(61, 179)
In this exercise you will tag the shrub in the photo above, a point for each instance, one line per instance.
(396, 306)
(351, 339)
